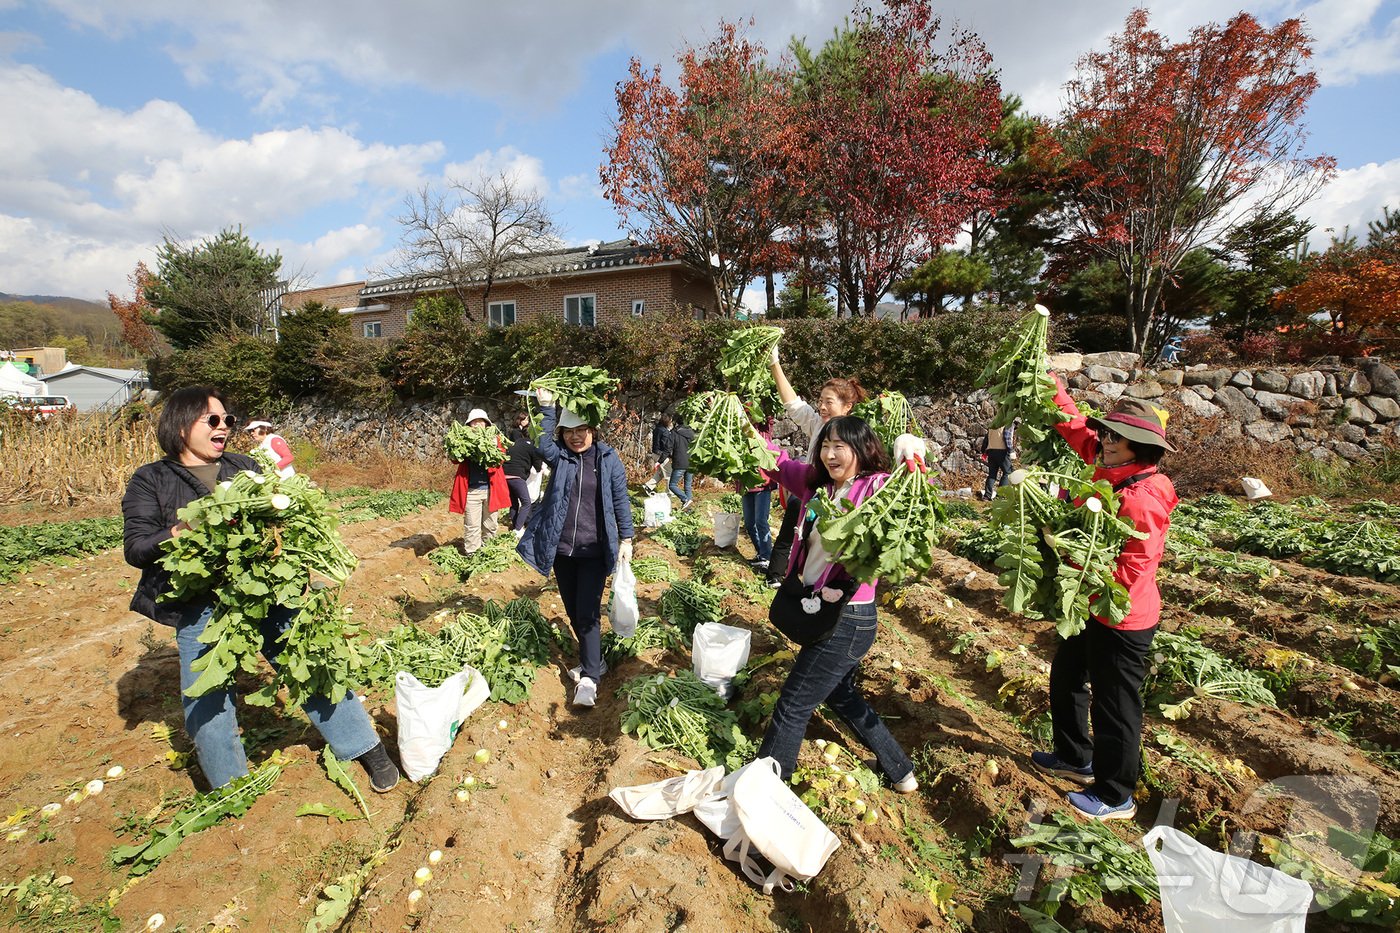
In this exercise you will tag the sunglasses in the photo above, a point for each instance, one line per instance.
(213, 420)
(1107, 435)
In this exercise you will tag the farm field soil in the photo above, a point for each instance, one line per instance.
(538, 846)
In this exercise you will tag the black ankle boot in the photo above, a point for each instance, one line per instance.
(383, 774)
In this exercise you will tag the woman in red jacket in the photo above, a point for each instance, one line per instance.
(1098, 673)
(478, 493)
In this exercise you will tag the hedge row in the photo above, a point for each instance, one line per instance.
(658, 359)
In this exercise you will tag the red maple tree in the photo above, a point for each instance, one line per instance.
(899, 131)
(1358, 289)
(1170, 141)
(135, 313)
(708, 171)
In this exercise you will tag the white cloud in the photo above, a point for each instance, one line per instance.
(89, 190)
(526, 171)
(1352, 199)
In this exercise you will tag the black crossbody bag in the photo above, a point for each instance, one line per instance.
(799, 612)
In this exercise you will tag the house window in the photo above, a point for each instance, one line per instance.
(372, 329)
(408, 317)
(501, 313)
(578, 309)
(638, 306)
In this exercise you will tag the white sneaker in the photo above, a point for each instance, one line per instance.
(586, 692)
(577, 672)
(908, 785)
(519, 533)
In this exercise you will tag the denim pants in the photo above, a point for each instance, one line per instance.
(757, 505)
(581, 583)
(826, 673)
(1097, 675)
(212, 723)
(519, 501)
(677, 476)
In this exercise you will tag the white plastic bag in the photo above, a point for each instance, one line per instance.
(1204, 891)
(533, 482)
(623, 611)
(1254, 488)
(717, 653)
(760, 812)
(656, 510)
(665, 799)
(430, 716)
(726, 528)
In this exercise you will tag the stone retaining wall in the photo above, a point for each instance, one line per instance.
(1328, 409)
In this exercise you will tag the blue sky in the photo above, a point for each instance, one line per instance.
(309, 122)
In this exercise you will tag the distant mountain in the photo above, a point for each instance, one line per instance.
(39, 320)
(57, 301)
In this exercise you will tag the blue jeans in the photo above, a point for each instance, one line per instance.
(826, 673)
(581, 584)
(519, 502)
(676, 477)
(212, 723)
(757, 505)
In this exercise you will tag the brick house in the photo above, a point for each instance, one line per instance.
(584, 285)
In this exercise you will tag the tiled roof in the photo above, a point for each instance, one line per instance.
(567, 261)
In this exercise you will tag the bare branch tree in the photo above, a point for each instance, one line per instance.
(466, 240)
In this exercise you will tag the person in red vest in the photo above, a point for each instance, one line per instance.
(478, 493)
(275, 446)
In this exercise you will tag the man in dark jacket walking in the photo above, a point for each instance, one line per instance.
(660, 451)
(679, 451)
(521, 457)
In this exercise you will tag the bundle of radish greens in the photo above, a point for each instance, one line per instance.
(1058, 558)
(256, 543)
(727, 446)
(583, 390)
(483, 445)
(745, 365)
(889, 415)
(1017, 380)
(890, 534)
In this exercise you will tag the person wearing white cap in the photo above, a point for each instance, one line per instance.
(478, 492)
(275, 446)
(581, 529)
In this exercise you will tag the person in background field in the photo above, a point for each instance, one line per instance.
(193, 431)
(521, 457)
(275, 445)
(1097, 675)
(660, 451)
(478, 492)
(999, 448)
(836, 399)
(581, 530)
(756, 503)
(852, 463)
(678, 452)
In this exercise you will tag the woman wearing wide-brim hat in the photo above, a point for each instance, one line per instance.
(1098, 674)
(478, 493)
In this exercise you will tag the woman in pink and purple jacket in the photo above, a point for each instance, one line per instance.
(849, 462)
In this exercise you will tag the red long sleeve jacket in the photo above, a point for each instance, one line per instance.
(1148, 504)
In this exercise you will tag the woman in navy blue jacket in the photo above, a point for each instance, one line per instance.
(581, 529)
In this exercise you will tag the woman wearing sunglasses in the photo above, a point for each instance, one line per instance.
(194, 430)
(1097, 675)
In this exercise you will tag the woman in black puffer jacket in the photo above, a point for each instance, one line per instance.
(193, 431)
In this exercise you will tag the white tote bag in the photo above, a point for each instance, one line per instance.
(1204, 891)
(717, 653)
(779, 826)
(672, 797)
(622, 613)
